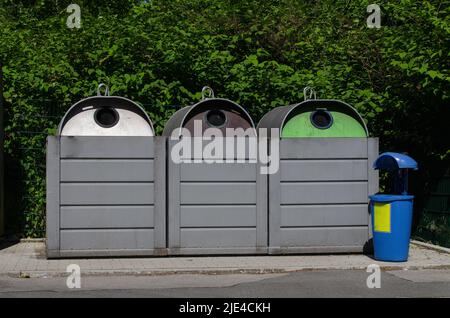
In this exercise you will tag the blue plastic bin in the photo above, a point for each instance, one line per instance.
(391, 224)
(392, 213)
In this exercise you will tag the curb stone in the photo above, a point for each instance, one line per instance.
(431, 246)
(384, 267)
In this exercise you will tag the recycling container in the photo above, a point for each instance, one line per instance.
(392, 213)
(216, 204)
(105, 181)
(318, 198)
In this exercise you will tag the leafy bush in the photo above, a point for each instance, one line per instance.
(259, 53)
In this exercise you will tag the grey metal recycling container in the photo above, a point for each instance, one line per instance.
(318, 199)
(214, 208)
(105, 182)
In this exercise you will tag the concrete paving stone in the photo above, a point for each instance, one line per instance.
(84, 263)
(105, 264)
(115, 263)
(128, 264)
(53, 265)
(98, 264)
(18, 262)
(42, 265)
(34, 264)
(64, 263)
(109, 264)
(139, 264)
(26, 265)
(152, 263)
(91, 264)
(122, 264)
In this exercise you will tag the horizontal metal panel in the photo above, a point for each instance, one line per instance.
(106, 239)
(323, 192)
(218, 193)
(106, 253)
(216, 216)
(107, 170)
(318, 148)
(324, 215)
(218, 237)
(221, 148)
(323, 170)
(317, 249)
(326, 236)
(218, 172)
(218, 251)
(106, 193)
(107, 147)
(85, 217)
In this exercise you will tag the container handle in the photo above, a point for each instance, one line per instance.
(207, 92)
(309, 93)
(99, 88)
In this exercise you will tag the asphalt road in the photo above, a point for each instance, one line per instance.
(323, 283)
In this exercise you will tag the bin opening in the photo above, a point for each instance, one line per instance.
(216, 118)
(321, 119)
(106, 117)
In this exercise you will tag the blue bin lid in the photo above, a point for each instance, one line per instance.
(390, 197)
(394, 161)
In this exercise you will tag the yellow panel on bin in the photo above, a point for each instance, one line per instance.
(382, 217)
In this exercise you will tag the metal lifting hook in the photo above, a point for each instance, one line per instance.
(102, 85)
(309, 92)
(207, 92)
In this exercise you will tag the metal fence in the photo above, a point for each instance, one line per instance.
(435, 222)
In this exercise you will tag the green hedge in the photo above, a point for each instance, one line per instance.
(258, 53)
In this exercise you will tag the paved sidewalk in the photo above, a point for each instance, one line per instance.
(27, 259)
